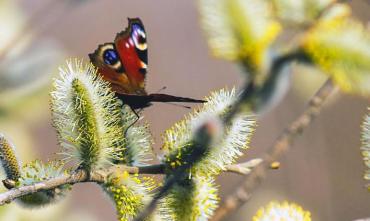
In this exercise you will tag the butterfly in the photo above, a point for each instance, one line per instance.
(124, 62)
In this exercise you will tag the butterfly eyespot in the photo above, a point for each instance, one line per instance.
(139, 38)
(110, 57)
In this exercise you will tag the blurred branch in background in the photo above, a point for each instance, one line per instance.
(37, 17)
(31, 68)
(26, 28)
(280, 146)
(27, 58)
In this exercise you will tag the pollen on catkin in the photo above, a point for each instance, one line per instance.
(130, 194)
(87, 116)
(192, 199)
(228, 146)
(35, 172)
(276, 211)
(9, 160)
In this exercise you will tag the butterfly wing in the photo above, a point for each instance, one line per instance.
(132, 48)
(123, 63)
(109, 65)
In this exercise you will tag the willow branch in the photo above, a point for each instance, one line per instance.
(81, 176)
(279, 147)
(78, 176)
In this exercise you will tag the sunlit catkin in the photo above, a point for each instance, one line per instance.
(9, 160)
(87, 117)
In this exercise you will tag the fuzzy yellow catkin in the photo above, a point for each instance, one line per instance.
(278, 211)
(130, 194)
(138, 139)
(341, 48)
(87, 117)
(191, 199)
(222, 152)
(240, 30)
(35, 172)
(8, 159)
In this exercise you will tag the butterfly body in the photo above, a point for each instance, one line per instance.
(124, 62)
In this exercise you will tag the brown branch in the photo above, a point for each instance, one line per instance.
(80, 176)
(280, 146)
(76, 177)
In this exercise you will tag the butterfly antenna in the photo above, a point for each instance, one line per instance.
(162, 89)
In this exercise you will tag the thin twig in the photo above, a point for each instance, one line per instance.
(280, 146)
(244, 168)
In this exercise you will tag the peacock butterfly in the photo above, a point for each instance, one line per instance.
(124, 64)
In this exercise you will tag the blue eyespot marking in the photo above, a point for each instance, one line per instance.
(137, 27)
(110, 57)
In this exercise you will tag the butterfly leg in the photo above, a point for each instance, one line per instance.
(135, 121)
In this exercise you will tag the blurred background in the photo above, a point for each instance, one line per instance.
(322, 172)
